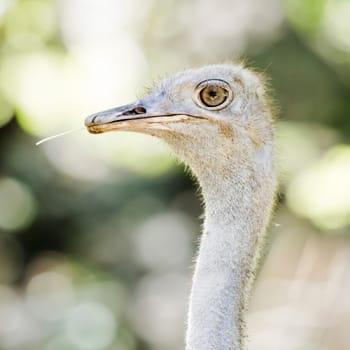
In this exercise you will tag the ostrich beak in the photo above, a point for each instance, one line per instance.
(148, 113)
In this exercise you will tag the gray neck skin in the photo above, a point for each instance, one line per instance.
(237, 209)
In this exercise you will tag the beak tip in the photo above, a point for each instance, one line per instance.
(90, 120)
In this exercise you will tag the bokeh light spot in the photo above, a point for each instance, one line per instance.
(17, 205)
(337, 25)
(321, 193)
(49, 295)
(91, 326)
(158, 248)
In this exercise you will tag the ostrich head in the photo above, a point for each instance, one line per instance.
(218, 121)
(200, 113)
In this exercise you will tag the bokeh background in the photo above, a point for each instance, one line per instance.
(97, 233)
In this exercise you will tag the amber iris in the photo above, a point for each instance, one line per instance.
(213, 95)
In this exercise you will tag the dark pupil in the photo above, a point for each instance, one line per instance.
(213, 93)
(213, 96)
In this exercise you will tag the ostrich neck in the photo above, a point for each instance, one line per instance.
(237, 209)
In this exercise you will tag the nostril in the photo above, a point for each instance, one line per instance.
(135, 111)
(139, 110)
(93, 119)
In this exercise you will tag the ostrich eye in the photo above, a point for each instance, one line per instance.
(213, 94)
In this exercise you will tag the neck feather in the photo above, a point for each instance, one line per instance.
(237, 209)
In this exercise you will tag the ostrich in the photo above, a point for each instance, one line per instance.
(217, 120)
